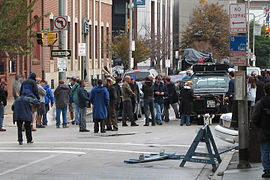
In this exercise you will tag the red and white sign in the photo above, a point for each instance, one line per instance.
(81, 49)
(238, 58)
(238, 18)
(60, 23)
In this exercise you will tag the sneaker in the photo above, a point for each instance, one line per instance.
(20, 143)
(125, 124)
(44, 124)
(146, 125)
(266, 174)
(57, 126)
(115, 129)
(30, 142)
(84, 130)
(2, 129)
(72, 122)
(65, 126)
(134, 124)
(33, 129)
(40, 126)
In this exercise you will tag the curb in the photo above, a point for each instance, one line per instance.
(218, 175)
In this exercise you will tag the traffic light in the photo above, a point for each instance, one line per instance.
(51, 38)
(203, 1)
(40, 38)
(266, 32)
(128, 24)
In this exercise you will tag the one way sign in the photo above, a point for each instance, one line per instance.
(60, 53)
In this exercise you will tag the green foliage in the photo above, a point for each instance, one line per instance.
(15, 38)
(262, 48)
(120, 49)
(209, 25)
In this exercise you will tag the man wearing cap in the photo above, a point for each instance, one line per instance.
(3, 102)
(127, 106)
(111, 118)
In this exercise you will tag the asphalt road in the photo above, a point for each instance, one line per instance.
(67, 154)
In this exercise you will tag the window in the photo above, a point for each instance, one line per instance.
(102, 42)
(90, 41)
(96, 42)
(36, 50)
(12, 66)
(2, 68)
(108, 41)
(76, 40)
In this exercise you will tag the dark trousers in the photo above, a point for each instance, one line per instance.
(149, 103)
(28, 131)
(97, 123)
(111, 119)
(127, 112)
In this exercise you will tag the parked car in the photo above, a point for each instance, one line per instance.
(210, 83)
(225, 131)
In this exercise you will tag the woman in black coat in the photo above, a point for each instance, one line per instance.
(186, 96)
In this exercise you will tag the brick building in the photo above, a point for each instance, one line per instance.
(98, 14)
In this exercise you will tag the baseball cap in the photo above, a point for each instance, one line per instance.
(132, 78)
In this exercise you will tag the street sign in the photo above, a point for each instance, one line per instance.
(81, 49)
(238, 43)
(238, 58)
(60, 53)
(62, 64)
(238, 21)
(139, 2)
(60, 23)
(258, 30)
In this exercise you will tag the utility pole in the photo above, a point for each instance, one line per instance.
(243, 124)
(62, 34)
(130, 35)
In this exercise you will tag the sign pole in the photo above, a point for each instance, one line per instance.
(130, 35)
(243, 124)
(62, 34)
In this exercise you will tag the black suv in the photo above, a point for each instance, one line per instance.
(210, 82)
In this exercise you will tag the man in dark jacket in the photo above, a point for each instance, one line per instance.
(135, 100)
(119, 94)
(22, 114)
(148, 97)
(111, 119)
(31, 85)
(61, 94)
(83, 101)
(3, 102)
(170, 99)
(100, 99)
(259, 88)
(260, 117)
(159, 98)
(186, 104)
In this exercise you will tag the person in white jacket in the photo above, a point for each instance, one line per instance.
(251, 94)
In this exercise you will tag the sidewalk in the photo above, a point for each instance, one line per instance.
(232, 173)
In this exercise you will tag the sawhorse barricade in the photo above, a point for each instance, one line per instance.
(204, 136)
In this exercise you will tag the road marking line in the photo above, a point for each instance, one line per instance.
(56, 150)
(38, 150)
(109, 143)
(28, 164)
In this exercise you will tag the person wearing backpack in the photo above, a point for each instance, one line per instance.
(260, 118)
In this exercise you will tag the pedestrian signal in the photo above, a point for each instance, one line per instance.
(40, 38)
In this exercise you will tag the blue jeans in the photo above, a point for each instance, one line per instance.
(44, 118)
(183, 117)
(159, 108)
(265, 155)
(76, 113)
(2, 109)
(64, 116)
(150, 103)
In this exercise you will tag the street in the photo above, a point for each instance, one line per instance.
(68, 154)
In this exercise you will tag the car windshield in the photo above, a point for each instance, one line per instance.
(139, 76)
(210, 83)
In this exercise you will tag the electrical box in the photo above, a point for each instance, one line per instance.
(240, 86)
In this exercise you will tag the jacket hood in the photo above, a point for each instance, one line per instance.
(99, 89)
(63, 86)
(32, 75)
(266, 101)
(46, 87)
(148, 83)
